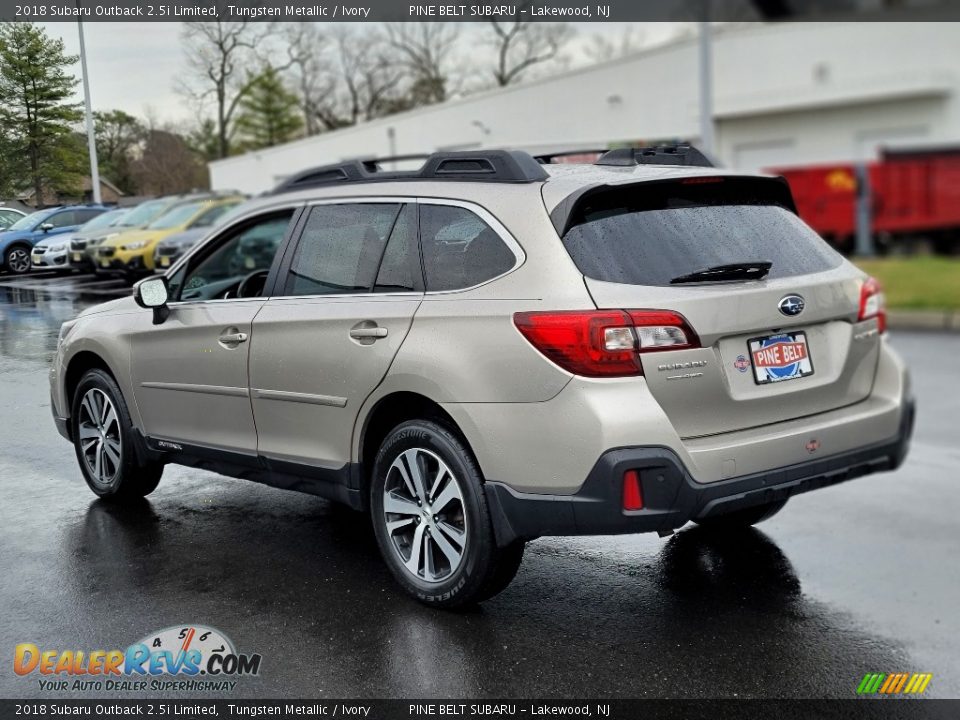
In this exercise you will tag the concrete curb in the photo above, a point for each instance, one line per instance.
(948, 320)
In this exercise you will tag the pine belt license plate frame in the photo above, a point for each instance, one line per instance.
(796, 368)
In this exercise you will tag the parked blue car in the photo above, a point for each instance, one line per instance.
(17, 240)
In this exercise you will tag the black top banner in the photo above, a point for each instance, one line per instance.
(524, 10)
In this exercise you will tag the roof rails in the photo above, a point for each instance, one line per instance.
(551, 158)
(497, 166)
(656, 155)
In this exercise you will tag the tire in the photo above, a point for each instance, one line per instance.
(743, 518)
(106, 447)
(437, 509)
(17, 260)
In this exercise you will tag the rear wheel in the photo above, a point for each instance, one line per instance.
(104, 440)
(743, 518)
(431, 518)
(17, 260)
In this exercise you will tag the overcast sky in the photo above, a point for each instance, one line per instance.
(134, 66)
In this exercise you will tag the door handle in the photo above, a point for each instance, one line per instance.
(233, 339)
(365, 333)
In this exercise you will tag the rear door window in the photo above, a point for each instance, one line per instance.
(459, 249)
(649, 234)
(340, 248)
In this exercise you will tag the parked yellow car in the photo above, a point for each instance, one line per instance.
(131, 253)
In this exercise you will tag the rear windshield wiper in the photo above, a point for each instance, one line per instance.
(733, 271)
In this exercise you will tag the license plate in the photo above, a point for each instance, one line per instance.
(776, 358)
(105, 263)
(77, 257)
(164, 262)
(36, 259)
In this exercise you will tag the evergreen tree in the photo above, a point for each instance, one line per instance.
(269, 113)
(35, 89)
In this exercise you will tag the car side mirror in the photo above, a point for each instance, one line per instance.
(47, 227)
(153, 293)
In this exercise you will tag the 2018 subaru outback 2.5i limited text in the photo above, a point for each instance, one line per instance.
(488, 350)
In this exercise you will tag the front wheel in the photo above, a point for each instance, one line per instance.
(743, 518)
(103, 438)
(17, 260)
(431, 518)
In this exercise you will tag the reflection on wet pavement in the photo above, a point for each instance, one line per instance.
(30, 321)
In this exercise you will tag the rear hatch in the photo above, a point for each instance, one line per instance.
(784, 346)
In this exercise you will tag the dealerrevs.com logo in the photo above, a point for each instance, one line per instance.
(184, 657)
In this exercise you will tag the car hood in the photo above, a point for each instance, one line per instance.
(187, 237)
(123, 304)
(55, 240)
(132, 236)
(102, 233)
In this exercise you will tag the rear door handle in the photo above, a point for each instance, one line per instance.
(363, 333)
(233, 339)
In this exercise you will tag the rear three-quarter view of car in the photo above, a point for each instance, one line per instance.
(492, 348)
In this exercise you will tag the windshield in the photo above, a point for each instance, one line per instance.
(28, 222)
(145, 212)
(672, 231)
(104, 220)
(176, 217)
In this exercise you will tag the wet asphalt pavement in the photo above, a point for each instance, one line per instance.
(861, 577)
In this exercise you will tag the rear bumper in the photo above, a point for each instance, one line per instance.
(671, 496)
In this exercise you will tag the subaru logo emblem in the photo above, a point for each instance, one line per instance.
(791, 305)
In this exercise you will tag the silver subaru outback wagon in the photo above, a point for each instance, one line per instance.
(492, 348)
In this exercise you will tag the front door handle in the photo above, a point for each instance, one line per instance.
(231, 340)
(368, 332)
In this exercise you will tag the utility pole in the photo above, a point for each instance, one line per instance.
(707, 140)
(91, 141)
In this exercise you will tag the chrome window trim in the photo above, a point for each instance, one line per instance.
(520, 256)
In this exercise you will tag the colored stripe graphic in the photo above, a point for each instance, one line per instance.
(894, 684)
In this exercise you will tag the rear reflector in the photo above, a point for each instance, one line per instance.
(604, 343)
(632, 494)
(873, 303)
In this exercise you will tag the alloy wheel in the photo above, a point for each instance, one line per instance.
(425, 516)
(99, 436)
(18, 260)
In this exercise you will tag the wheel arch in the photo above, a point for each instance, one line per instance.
(77, 367)
(388, 412)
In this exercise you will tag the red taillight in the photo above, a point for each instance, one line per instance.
(873, 303)
(632, 493)
(604, 343)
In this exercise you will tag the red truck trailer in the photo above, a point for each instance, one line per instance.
(914, 194)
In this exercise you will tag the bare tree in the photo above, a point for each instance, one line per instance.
(225, 60)
(166, 164)
(520, 45)
(345, 75)
(313, 74)
(426, 51)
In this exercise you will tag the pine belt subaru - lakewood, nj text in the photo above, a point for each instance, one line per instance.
(493, 348)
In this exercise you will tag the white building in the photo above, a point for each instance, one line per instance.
(784, 94)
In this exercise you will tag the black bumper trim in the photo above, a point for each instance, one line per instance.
(671, 496)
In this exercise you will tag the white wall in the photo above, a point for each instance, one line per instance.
(784, 94)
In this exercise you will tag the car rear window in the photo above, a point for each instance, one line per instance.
(650, 233)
